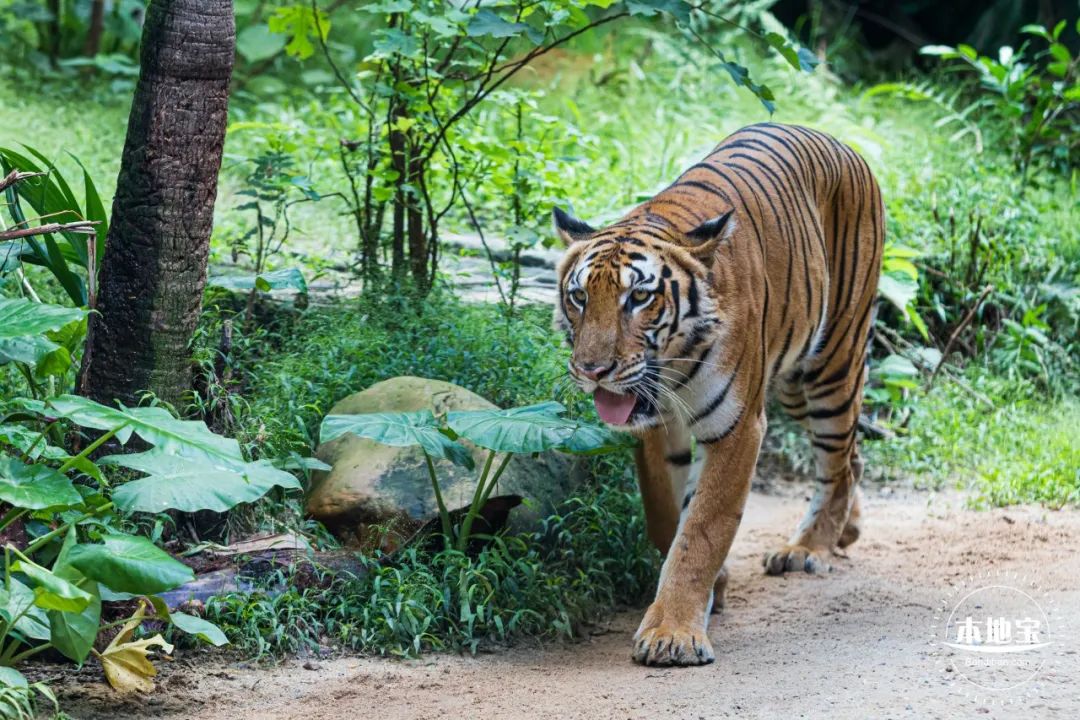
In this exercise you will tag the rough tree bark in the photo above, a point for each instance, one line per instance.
(154, 269)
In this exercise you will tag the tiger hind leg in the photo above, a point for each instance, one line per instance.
(831, 412)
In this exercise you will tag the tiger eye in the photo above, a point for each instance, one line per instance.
(639, 296)
(578, 296)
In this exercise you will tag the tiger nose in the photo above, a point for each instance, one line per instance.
(593, 371)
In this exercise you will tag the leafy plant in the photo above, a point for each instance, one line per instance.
(79, 551)
(429, 67)
(532, 429)
(1035, 94)
(78, 230)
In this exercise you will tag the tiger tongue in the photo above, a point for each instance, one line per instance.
(613, 408)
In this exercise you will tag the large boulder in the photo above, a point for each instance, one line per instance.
(373, 488)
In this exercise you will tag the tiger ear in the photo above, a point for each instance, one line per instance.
(569, 228)
(706, 237)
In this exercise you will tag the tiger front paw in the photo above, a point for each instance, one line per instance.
(797, 558)
(668, 643)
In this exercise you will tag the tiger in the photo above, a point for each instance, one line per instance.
(753, 275)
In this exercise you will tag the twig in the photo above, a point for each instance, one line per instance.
(873, 431)
(15, 176)
(82, 226)
(956, 333)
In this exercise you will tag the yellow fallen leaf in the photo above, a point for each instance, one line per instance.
(125, 661)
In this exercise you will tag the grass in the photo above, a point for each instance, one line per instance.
(581, 563)
(1023, 450)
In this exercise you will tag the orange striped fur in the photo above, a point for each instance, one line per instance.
(756, 269)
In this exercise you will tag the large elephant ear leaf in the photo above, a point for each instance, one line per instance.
(398, 430)
(530, 429)
(588, 439)
(155, 425)
(178, 482)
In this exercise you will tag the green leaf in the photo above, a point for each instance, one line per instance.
(942, 51)
(175, 482)
(284, 279)
(20, 317)
(679, 9)
(299, 23)
(519, 430)
(398, 430)
(896, 365)
(73, 634)
(898, 290)
(590, 439)
(51, 591)
(18, 600)
(155, 425)
(800, 59)
(202, 629)
(392, 41)
(12, 678)
(256, 42)
(43, 355)
(35, 487)
(126, 563)
(487, 23)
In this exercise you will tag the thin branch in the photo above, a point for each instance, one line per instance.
(956, 333)
(486, 89)
(15, 176)
(83, 226)
(330, 60)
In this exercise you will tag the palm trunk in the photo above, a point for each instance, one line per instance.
(154, 268)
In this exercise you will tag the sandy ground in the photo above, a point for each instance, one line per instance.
(853, 644)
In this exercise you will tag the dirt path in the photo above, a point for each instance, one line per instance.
(854, 644)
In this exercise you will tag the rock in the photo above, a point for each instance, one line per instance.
(372, 488)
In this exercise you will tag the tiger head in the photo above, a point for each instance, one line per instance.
(639, 300)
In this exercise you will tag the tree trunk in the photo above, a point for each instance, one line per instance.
(154, 268)
(97, 26)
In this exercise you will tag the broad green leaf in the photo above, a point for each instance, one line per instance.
(284, 279)
(18, 600)
(35, 487)
(43, 355)
(519, 430)
(30, 442)
(679, 9)
(487, 23)
(399, 430)
(19, 317)
(256, 42)
(73, 634)
(155, 425)
(896, 365)
(127, 563)
(175, 482)
(202, 629)
(898, 290)
(12, 678)
(51, 591)
(590, 439)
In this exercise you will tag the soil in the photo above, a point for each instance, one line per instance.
(855, 643)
